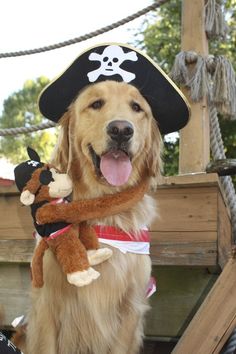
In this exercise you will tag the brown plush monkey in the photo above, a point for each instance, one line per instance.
(40, 184)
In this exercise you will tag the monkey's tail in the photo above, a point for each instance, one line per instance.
(37, 264)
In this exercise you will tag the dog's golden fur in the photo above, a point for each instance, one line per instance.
(105, 317)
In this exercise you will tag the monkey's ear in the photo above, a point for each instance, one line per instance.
(33, 155)
(27, 198)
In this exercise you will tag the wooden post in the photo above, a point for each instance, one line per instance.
(194, 138)
(215, 320)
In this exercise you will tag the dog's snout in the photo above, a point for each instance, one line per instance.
(120, 130)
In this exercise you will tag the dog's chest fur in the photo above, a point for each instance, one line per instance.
(94, 311)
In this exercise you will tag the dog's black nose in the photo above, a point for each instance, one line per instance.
(120, 130)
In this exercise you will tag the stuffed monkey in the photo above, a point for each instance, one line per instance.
(42, 184)
(34, 180)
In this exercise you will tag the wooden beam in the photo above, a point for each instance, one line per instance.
(213, 323)
(223, 167)
(16, 251)
(184, 248)
(194, 138)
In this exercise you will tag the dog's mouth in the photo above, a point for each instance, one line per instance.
(114, 165)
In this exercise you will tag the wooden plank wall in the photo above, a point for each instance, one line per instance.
(16, 249)
(14, 291)
(193, 223)
(186, 233)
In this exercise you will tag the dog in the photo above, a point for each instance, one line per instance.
(107, 316)
(113, 105)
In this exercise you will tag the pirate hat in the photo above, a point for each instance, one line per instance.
(119, 62)
(24, 170)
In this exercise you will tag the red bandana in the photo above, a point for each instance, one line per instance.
(113, 233)
(133, 242)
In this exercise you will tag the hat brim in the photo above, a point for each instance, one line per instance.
(169, 106)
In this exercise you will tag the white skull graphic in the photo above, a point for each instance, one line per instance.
(111, 59)
(33, 163)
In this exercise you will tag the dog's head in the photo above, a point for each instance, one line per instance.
(109, 132)
(110, 135)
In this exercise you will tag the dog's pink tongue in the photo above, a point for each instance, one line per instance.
(116, 167)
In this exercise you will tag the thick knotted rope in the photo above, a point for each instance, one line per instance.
(209, 76)
(213, 77)
(215, 24)
(224, 87)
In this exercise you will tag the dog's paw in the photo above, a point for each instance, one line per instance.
(82, 278)
(99, 256)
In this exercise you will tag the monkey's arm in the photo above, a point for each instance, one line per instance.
(83, 210)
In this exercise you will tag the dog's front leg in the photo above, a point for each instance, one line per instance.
(134, 305)
(130, 336)
(41, 334)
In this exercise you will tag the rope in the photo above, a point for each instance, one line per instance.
(33, 128)
(23, 130)
(211, 76)
(84, 37)
(215, 24)
(217, 149)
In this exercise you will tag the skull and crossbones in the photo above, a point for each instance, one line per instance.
(111, 59)
(33, 163)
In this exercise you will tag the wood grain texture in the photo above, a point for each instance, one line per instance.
(16, 251)
(14, 291)
(194, 138)
(16, 221)
(216, 317)
(193, 225)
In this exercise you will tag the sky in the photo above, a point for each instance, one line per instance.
(28, 24)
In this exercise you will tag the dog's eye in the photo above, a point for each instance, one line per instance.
(136, 107)
(97, 104)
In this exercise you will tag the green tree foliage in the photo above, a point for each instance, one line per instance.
(21, 110)
(161, 38)
(162, 34)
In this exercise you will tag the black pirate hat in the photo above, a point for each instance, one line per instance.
(119, 62)
(24, 170)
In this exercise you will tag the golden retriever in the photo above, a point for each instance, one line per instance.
(106, 317)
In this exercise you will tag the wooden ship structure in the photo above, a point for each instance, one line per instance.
(191, 247)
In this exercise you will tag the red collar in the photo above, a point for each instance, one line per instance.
(113, 233)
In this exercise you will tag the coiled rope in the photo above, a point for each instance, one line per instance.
(84, 37)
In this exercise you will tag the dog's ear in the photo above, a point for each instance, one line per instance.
(154, 151)
(60, 157)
